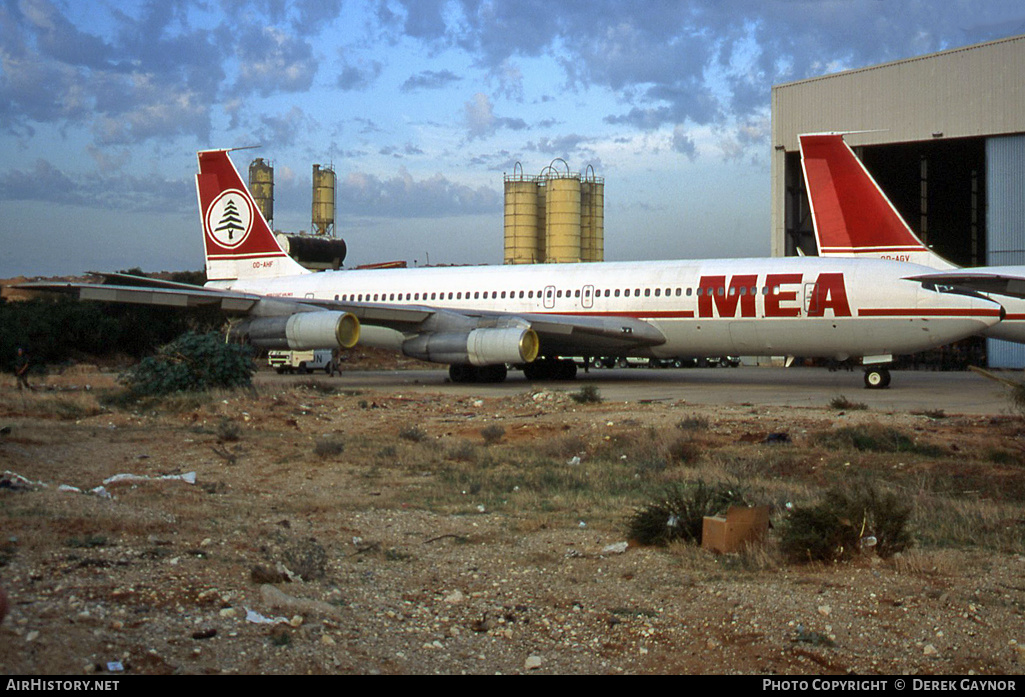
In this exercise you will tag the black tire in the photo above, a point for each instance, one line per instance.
(877, 378)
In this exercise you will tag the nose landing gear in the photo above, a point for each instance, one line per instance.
(877, 378)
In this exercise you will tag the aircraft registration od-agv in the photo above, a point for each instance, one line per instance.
(481, 319)
(853, 218)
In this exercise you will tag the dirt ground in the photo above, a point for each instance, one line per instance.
(297, 529)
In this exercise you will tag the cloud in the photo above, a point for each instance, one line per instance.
(698, 62)
(284, 129)
(272, 61)
(48, 184)
(430, 80)
(683, 143)
(481, 121)
(562, 146)
(361, 194)
(360, 76)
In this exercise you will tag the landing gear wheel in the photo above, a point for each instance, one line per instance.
(877, 378)
(492, 373)
(463, 373)
(550, 369)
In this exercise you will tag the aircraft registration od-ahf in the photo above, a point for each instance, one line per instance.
(853, 218)
(481, 319)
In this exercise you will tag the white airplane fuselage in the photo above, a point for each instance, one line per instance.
(815, 307)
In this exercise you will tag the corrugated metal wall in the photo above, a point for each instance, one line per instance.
(1005, 223)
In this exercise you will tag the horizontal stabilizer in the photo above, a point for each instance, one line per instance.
(1001, 280)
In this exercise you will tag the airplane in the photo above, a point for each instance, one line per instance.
(854, 218)
(481, 319)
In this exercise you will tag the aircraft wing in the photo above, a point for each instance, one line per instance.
(557, 334)
(1000, 280)
(182, 296)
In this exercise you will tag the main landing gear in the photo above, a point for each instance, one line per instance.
(464, 373)
(551, 369)
(877, 378)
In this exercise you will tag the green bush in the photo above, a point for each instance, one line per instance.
(838, 527)
(192, 363)
(679, 512)
(588, 394)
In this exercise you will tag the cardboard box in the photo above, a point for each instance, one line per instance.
(740, 526)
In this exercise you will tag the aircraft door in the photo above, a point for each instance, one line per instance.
(549, 297)
(587, 297)
(809, 294)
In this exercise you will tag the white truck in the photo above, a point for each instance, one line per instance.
(302, 361)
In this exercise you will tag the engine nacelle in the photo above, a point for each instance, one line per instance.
(478, 347)
(303, 331)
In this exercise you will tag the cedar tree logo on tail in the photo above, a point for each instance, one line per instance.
(229, 219)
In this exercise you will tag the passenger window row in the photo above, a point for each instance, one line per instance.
(550, 293)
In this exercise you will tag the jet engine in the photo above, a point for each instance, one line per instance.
(303, 331)
(477, 347)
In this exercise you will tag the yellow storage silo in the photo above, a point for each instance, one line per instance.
(592, 218)
(521, 219)
(261, 186)
(323, 200)
(562, 219)
(541, 190)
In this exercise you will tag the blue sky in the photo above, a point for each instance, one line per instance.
(421, 106)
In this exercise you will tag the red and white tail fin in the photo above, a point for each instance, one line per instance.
(238, 241)
(851, 214)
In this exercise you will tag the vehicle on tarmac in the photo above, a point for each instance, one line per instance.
(302, 361)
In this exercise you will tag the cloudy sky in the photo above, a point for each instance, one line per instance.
(421, 106)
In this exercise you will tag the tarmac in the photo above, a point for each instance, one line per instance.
(910, 391)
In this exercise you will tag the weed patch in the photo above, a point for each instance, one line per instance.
(848, 520)
(679, 512)
(876, 438)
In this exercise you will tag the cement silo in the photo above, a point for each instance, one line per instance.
(562, 215)
(261, 186)
(323, 201)
(592, 217)
(524, 227)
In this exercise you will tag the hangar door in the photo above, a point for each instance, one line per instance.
(1005, 213)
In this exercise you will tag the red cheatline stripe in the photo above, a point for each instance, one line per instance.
(928, 312)
(259, 255)
(637, 315)
(866, 250)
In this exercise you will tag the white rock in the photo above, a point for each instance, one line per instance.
(533, 662)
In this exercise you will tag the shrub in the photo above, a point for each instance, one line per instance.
(192, 363)
(679, 512)
(835, 528)
(492, 434)
(329, 445)
(876, 438)
(228, 431)
(841, 403)
(588, 394)
(684, 451)
(693, 423)
(413, 433)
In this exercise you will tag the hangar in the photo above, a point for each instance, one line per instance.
(943, 134)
